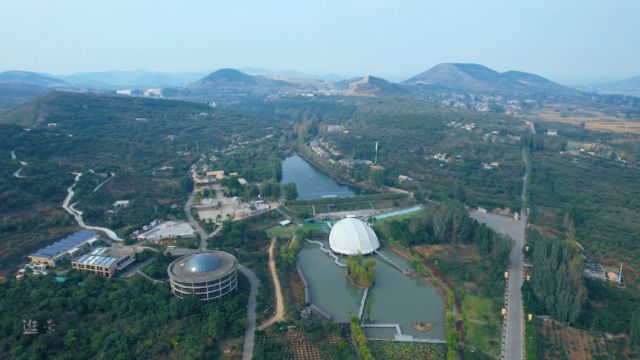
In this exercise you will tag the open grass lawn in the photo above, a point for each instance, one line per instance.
(481, 297)
(282, 231)
(481, 323)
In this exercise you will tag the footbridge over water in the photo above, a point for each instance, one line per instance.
(399, 336)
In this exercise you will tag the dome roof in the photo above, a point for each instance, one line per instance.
(351, 236)
(201, 263)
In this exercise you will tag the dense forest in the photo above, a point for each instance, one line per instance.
(89, 317)
(584, 208)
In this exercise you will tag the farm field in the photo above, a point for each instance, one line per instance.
(315, 342)
(593, 120)
(561, 342)
(395, 350)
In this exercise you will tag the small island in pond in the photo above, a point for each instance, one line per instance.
(361, 271)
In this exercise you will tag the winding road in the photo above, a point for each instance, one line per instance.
(77, 214)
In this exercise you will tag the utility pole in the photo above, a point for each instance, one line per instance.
(375, 160)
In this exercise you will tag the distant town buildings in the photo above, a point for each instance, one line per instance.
(442, 157)
(124, 92)
(552, 132)
(458, 125)
(490, 166)
(153, 92)
(332, 129)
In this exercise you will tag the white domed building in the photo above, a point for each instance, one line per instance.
(208, 275)
(351, 236)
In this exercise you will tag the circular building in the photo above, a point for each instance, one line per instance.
(208, 275)
(351, 236)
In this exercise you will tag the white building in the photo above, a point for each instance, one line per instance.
(351, 236)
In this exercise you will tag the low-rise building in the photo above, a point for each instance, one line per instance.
(121, 204)
(105, 261)
(218, 174)
(66, 249)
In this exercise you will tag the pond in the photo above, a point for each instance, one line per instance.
(395, 297)
(311, 182)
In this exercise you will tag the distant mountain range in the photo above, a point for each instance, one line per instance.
(136, 79)
(370, 86)
(481, 79)
(291, 74)
(630, 86)
(31, 78)
(19, 86)
(235, 82)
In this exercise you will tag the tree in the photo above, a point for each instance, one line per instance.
(635, 326)
(557, 277)
(290, 191)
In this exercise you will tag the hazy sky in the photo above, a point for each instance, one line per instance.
(560, 39)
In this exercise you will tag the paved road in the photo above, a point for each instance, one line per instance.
(249, 335)
(193, 222)
(513, 343)
(279, 315)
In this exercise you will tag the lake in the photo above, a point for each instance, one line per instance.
(395, 297)
(311, 182)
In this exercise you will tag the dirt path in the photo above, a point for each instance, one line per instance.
(279, 315)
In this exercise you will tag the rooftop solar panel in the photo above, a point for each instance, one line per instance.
(96, 260)
(65, 244)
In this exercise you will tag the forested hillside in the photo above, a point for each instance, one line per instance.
(123, 141)
(89, 317)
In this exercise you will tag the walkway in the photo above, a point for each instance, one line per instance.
(280, 312)
(328, 252)
(399, 336)
(386, 259)
(362, 302)
(249, 334)
(141, 273)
